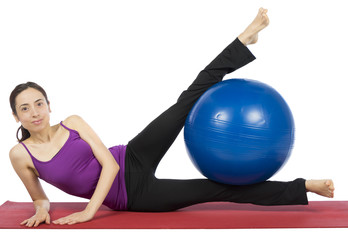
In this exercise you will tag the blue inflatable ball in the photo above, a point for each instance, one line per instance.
(239, 132)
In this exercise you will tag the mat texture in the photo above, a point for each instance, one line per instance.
(321, 214)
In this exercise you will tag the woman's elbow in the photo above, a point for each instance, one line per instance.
(115, 168)
(111, 169)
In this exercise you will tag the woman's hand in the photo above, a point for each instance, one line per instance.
(74, 218)
(41, 216)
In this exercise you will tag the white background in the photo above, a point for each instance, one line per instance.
(119, 64)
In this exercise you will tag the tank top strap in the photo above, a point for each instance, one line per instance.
(27, 150)
(69, 129)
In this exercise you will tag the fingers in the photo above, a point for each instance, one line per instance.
(74, 218)
(31, 222)
(35, 221)
(24, 222)
(28, 223)
(60, 221)
(65, 220)
(72, 222)
(48, 219)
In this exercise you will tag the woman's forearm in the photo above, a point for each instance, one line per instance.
(107, 176)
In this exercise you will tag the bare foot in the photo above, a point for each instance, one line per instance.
(321, 187)
(250, 34)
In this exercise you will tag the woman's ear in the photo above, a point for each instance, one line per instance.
(15, 117)
(49, 106)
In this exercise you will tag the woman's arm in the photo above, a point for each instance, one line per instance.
(20, 159)
(109, 171)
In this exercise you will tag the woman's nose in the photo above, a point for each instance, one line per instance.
(34, 112)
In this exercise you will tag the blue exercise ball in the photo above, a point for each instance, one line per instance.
(239, 132)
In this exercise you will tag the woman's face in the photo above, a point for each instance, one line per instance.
(33, 111)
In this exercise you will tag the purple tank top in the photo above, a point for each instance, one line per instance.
(76, 171)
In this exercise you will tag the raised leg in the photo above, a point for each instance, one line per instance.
(152, 143)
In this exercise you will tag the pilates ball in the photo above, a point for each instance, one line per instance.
(239, 132)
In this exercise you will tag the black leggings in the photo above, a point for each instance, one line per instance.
(144, 152)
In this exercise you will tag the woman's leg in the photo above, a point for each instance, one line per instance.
(152, 143)
(158, 195)
(168, 195)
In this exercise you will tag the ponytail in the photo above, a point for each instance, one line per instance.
(24, 132)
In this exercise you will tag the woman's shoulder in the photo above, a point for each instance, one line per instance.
(72, 120)
(79, 125)
(21, 160)
(18, 153)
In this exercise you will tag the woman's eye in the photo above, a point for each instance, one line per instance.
(40, 104)
(24, 109)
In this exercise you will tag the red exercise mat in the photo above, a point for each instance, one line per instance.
(321, 214)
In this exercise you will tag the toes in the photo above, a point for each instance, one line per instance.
(331, 188)
(330, 184)
(263, 11)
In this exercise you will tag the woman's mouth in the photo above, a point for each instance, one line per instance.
(38, 122)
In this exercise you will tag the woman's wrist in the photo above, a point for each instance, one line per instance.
(89, 212)
(42, 205)
(91, 209)
(41, 210)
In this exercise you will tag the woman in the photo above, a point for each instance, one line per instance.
(71, 156)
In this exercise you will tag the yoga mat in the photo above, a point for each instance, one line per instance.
(318, 214)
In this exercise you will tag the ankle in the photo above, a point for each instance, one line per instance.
(308, 185)
(247, 39)
(242, 39)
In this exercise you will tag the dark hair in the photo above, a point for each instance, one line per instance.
(18, 89)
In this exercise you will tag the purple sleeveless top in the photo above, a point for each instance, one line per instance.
(76, 171)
